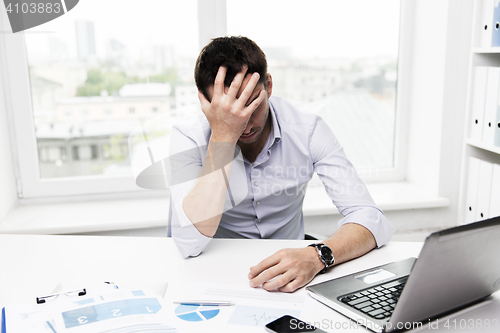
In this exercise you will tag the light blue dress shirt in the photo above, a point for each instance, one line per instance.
(268, 194)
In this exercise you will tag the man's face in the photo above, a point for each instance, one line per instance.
(256, 126)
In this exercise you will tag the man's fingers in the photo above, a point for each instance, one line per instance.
(279, 281)
(267, 275)
(292, 285)
(219, 81)
(236, 83)
(251, 108)
(247, 92)
(263, 265)
(260, 273)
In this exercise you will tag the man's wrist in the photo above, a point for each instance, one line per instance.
(319, 265)
(325, 255)
(229, 138)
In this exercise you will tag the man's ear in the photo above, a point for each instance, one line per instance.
(269, 85)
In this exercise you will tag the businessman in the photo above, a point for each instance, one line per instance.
(252, 156)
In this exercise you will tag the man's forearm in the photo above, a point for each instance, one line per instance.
(350, 241)
(204, 204)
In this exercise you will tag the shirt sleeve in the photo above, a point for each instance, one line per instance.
(184, 165)
(343, 185)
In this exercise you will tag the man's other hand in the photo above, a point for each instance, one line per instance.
(287, 270)
(227, 112)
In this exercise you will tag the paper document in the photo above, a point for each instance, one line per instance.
(253, 309)
(108, 311)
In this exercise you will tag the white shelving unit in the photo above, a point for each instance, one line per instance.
(480, 56)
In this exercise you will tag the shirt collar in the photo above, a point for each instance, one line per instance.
(275, 130)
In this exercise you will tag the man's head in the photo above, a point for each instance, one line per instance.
(231, 52)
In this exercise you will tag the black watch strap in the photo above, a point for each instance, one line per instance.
(325, 255)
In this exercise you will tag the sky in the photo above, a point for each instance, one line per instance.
(311, 29)
(319, 28)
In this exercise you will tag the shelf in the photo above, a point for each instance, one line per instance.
(486, 57)
(483, 146)
(486, 50)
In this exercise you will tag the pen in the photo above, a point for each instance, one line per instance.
(213, 303)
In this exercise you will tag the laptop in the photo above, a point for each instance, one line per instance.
(456, 268)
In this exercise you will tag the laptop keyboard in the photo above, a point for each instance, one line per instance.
(377, 302)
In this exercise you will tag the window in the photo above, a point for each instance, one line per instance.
(51, 154)
(76, 153)
(95, 154)
(331, 59)
(89, 82)
(116, 152)
(84, 153)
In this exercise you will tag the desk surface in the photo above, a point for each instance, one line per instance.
(34, 264)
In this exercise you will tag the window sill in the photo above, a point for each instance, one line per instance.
(388, 197)
(130, 214)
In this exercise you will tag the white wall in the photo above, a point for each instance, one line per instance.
(8, 196)
(442, 41)
(426, 102)
(8, 193)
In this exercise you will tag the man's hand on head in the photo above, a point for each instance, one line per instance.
(228, 113)
(287, 270)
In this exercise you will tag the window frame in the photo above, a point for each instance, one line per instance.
(17, 90)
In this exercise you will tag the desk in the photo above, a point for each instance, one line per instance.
(33, 265)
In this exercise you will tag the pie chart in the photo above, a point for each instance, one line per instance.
(196, 312)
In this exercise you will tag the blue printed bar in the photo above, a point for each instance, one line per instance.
(110, 310)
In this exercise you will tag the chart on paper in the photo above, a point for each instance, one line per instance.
(253, 307)
(196, 312)
(258, 316)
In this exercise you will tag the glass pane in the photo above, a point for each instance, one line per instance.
(102, 69)
(337, 59)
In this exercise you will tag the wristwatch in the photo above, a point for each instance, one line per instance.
(325, 254)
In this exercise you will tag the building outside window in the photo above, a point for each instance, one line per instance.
(76, 153)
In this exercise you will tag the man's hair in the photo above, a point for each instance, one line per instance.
(231, 52)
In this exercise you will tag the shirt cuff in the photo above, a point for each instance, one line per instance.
(373, 220)
(188, 239)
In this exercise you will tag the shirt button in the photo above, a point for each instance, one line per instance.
(259, 220)
(256, 183)
(258, 202)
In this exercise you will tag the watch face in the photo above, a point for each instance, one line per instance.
(327, 254)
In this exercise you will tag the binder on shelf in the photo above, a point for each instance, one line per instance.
(478, 102)
(484, 190)
(497, 125)
(490, 105)
(495, 192)
(486, 23)
(495, 40)
(496, 122)
(471, 191)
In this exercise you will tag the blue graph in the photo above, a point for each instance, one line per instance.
(258, 316)
(196, 312)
